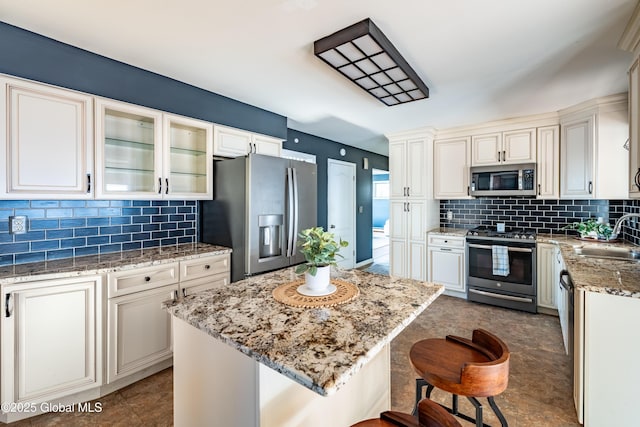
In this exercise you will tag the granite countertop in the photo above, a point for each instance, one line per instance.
(320, 348)
(611, 276)
(449, 231)
(99, 264)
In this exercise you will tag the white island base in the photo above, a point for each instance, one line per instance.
(217, 385)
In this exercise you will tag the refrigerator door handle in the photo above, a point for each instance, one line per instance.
(290, 212)
(294, 238)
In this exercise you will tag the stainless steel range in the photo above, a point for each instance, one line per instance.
(501, 267)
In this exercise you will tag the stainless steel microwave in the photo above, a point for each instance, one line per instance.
(503, 180)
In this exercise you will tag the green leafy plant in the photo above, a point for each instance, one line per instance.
(319, 249)
(590, 227)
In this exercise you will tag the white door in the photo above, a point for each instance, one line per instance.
(139, 331)
(341, 207)
(51, 345)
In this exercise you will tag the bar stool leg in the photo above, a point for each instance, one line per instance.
(496, 410)
(420, 384)
(478, 406)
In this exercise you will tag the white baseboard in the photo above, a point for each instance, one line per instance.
(365, 262)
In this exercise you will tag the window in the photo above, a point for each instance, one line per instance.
(381, 190)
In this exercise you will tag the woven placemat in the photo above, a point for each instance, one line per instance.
(288, 294)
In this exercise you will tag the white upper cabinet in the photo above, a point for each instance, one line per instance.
(128, 150)
(451, 160)
(230, 142)
(634, 131)
(486, 149)
(517, 146)
(577, 158)
(188, 158)
(593, 161)
(46, 141)
(548, 166)
(267, 145)
(407, 160)
(143, 153)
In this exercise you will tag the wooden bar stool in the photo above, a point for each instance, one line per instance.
(472, 368)
(430, 414)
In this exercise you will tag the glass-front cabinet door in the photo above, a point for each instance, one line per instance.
(129, 151)
(188, 158)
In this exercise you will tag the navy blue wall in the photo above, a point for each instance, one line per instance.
(325, 149)
(32, 56)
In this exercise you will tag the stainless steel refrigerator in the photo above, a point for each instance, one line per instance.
(260, 205)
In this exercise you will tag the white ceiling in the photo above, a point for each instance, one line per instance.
(482, 59)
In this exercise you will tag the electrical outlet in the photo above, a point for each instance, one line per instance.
(17, 224)
(449, 215)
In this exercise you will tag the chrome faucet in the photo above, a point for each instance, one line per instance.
(618, 226)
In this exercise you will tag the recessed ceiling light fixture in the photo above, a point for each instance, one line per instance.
(363, 54)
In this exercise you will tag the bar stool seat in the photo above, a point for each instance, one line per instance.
(430, 414)
(472, 368)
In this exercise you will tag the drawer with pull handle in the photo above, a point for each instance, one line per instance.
(447, 241)
(139, 279)
(205, 266)
(204, 283)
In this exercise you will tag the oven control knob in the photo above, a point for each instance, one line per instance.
(532, 236)
(516, 236)
(499, 284)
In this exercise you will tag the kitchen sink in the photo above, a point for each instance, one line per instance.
(608, 253)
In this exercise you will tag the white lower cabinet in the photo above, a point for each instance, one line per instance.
(139, 331)
(51, 341)
(547, 277)
(407, 245)
(447, 263)
(606, 358)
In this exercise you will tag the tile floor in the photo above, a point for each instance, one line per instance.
(380, 246)
(539, 392)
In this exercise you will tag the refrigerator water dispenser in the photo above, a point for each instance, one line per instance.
(270, 232)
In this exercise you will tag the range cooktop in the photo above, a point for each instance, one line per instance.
(484, 231)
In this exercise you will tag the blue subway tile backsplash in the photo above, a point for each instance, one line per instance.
(66, 228)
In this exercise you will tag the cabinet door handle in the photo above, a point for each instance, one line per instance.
(7, 309)
(590, 187)
(498, 156)
(175, 295)
(184, 292)
(147, 278)
(408, 191)
(206, 267)
(159, 185)
(637, 179)
(445, 249)
(468, 194)
(539, 192)
(408, 207)
(166, 190)
(88, 183)
(504, 156)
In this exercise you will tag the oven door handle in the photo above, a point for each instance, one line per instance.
(510, 248)
(500, 296)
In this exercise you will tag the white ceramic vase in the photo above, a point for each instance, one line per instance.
(320, 281)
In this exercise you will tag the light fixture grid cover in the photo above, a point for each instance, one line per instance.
(356, 44)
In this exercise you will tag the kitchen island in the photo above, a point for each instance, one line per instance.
(243, 358)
